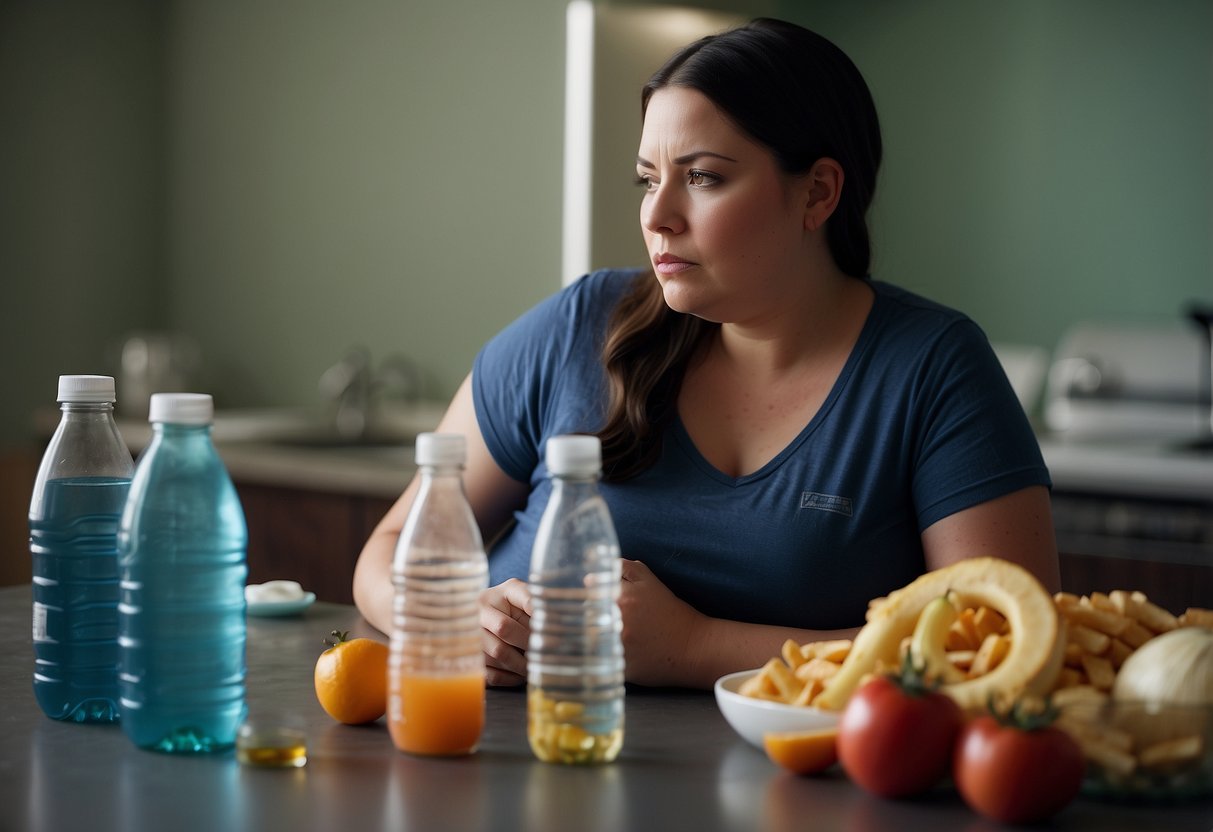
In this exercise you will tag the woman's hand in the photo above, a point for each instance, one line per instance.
(660, 631)
(505, 617)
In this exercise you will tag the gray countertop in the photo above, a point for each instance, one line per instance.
(682, 767)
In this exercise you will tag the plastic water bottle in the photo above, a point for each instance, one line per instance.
(73, 539)
(181, 557)
(575, 653)
(436, 663)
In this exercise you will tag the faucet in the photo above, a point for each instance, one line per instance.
(348, 385)
(353, 388)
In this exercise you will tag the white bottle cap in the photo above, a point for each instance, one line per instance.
(574, 455)
(181, 408)
(440, 449)
(86, 389)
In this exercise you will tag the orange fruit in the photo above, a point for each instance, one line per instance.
(351, 679)
(803, 752)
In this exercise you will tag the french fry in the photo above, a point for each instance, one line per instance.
(1077, 612)
(1118, 651)
(1170, 753)
(1086, 696)
(1107, 747)
(1070, 677)
(987, 622)
(756, 686)
(957, 639)
(1108, 756)
(1099, 671)
(786, 685)
(965, 622)
(1135, 635)
(819, 669)
(834, 651)
(1102, 602)
(991, 653)
(962, 659)
(1088, 640)
(1135, 605)
(1196, 617)
(792, 654)
(1151, 615)
(809, 692)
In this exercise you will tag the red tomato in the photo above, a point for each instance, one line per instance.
(896, 740)
(1016, 775)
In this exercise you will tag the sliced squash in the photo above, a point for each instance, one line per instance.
(1037, 641)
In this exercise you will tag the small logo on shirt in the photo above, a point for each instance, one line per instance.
(826, 502)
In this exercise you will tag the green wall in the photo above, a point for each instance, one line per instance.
(283, 179)
(81, 191)
(1045, 160)
(379, 173)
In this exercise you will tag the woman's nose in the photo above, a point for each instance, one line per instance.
(660, 212)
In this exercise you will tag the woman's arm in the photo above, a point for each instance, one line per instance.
(492, 494)
(1017, 527)
(668, 642)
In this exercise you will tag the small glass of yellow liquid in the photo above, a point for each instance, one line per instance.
(271, 746)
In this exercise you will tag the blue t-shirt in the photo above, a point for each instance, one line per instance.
(920, 424)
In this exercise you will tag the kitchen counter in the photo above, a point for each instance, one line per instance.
(682, 767)
(1131, 467)
(293, 448)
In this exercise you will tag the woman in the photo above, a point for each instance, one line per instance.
(783, 437)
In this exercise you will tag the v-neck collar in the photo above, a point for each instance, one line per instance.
(866, 335)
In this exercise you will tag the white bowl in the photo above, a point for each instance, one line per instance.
(752, 717)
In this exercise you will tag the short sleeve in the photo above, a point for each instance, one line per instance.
(975, 441)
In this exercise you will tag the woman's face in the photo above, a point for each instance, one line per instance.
(724, 226)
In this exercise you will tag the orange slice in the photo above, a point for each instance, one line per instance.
(803, 752)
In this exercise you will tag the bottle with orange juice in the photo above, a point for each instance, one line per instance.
(436, 664)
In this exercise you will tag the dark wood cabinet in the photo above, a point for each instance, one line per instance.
(308, 536)
(1172, 585)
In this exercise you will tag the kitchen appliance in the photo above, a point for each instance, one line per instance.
(1131, 382)
(1127, 442)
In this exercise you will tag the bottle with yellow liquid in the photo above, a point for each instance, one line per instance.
(436, 664)
(575, 653)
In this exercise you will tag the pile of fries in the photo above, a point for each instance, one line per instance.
(1102, 630)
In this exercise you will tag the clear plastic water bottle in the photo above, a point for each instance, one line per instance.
(181, 558)
(575, 653)
(73, 539)
(436, 664)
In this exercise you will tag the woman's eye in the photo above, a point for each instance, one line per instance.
(646, 182)
(701, 178)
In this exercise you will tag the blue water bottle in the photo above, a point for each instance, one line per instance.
(181, 558)
(73, 540)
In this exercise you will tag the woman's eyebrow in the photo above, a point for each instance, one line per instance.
(687, 157)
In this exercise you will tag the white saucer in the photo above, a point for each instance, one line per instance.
(277, 609)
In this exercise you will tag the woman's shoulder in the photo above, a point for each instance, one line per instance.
(910, 315)
(603, 286)
(900, 299)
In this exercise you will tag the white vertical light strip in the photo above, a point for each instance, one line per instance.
(578, 139)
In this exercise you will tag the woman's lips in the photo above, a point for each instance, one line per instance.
(668, 264)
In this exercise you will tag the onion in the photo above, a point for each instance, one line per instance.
(1175, 668)
(1164, 690)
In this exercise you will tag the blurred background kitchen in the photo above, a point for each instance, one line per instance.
(283, 191)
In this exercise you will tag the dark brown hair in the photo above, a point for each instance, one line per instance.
(801, 97)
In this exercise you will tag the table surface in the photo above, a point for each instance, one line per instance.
(682, 767)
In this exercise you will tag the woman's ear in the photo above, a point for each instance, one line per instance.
(825, 181)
